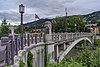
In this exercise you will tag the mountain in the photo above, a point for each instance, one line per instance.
(88, 17)
(38, 22)
(94, 15)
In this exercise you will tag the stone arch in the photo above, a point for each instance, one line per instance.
(71, 46)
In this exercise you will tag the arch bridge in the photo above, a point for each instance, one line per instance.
(57, 46)
(62, 43)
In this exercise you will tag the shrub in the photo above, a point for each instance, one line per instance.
(29, 59)
(87, 58)
(7, 66)
(21, 64)
(97, 43)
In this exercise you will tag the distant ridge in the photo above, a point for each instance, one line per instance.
(38, 22)
(95, 15)
(88, 17)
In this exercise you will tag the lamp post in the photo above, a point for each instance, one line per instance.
(21, 11)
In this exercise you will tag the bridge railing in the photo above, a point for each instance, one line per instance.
(14, 45)
(66, 36)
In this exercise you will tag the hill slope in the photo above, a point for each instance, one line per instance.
(88, 17)
(94, 15)
(38, 22)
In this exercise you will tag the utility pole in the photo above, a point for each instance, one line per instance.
(66, 11)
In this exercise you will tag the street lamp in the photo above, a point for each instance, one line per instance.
(21, 11)
(21, 8)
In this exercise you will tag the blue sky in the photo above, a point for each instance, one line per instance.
(45, 8)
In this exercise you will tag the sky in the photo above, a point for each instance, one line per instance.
(9, 9)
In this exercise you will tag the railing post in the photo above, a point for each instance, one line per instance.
(64, 46)
(25, 39)
(66, 35)
(19, 43)
(32, 38)
(28, 39)
(35, 38)
(21, 37)
(8, 55)
(12, 49)
(39, 37)
(16, 42)
(55, 51)
(58, 37)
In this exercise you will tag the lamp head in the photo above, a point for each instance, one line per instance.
(21, 8)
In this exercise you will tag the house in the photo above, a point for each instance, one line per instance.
(93, 28)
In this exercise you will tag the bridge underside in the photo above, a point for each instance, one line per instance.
(63, 49)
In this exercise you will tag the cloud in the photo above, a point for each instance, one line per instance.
(8, 4)
(45, 8)
(13, 16)
(83, 6)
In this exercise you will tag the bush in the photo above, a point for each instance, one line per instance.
(7, 66)
(64, 63)
(87, 58)
(29, 59)
(21, 64)
(97, 43)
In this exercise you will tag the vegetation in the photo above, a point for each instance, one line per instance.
(17, 31)
(29, 59)
(87, 58)
(69, 24)
(63, 24)
(21, 64)
(4, 29)
(98, 23)
(94, 15)
(97, 43)
(7, 66)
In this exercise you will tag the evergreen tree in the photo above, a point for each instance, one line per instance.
(4, 27)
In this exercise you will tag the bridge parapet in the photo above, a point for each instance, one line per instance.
(35, 43)
(14, 52)
(67, 36)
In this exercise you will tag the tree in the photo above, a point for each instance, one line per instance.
(59, 25)
(4, 27)
(17, 30)
(98, 23)
(30, 59)
(69, 24)
(93, 20)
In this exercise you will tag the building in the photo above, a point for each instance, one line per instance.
(93, 28)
